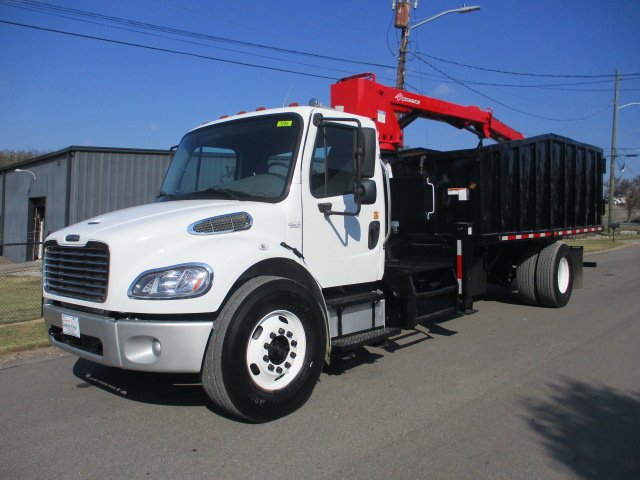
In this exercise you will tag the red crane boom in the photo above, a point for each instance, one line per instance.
(394, 109)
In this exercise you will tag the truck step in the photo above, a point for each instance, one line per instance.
(356, 340)
(437, 293)
(344, 301)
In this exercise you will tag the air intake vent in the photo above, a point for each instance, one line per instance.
(77, 272)
(233, 222)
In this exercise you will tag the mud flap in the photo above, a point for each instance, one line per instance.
(576, 263)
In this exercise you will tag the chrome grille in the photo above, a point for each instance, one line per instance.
(77, 272)
(232, 222)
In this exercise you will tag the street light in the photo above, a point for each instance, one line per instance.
(628, 105)
(26, 171)
(614, 151)
(402, 21)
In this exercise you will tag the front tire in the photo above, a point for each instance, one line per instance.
(266, 350)
(554, 275)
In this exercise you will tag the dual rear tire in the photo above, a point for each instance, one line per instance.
(545, 277)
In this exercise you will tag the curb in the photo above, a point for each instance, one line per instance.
(35, 355)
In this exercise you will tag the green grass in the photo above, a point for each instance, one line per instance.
(601, 243)
(629, 228)
(20, 298)
(22, 336)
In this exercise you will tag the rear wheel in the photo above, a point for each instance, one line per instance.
(526, 276)
(554, 275)
(266, 350)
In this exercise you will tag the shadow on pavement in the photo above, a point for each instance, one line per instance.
(172, 389)
(156, 388)
(360, 356)
(508, 295)
(406, 338)
(592, 429)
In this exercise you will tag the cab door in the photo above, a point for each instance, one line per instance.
(340, 247)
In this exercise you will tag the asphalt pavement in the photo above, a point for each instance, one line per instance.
(513, 392)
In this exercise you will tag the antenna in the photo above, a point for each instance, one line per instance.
(286, 97)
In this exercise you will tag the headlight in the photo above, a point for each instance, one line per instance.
(178, 281)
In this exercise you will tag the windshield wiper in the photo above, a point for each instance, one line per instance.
(168, 196)
(223, 191)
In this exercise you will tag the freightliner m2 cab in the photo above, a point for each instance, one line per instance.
(282, 236)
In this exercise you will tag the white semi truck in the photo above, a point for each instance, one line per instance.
(281, 236)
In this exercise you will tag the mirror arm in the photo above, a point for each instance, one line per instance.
(326, 209)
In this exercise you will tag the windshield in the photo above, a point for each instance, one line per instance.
(248, 159)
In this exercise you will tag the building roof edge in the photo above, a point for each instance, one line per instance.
(79, 148)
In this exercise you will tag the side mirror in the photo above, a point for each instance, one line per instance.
(366, 192)
(368, 143)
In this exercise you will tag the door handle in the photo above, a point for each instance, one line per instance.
(374, 234)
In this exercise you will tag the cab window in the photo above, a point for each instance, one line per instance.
(332, 167)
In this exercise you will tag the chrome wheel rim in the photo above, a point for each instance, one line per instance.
(276, 350)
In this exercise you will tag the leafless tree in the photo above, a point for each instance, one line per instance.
(629, 189)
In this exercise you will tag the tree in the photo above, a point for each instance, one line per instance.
(630, 191)
(13, 157)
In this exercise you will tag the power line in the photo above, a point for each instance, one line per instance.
(192, 42)
(263, 12)
(72, 14)
(523, 74)
(441, 78)
(91, 18)
(562, 86)
(550, 86)
(419, 56)
(167, 50)
(555, 86)
(608, 90)
(47, 8)
(235, 62)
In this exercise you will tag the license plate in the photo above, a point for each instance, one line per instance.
(70, 325)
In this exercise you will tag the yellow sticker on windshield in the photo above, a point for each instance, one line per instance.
(285, 123)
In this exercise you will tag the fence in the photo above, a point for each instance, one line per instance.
(20, 287)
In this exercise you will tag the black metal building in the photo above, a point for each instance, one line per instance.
(52, 191)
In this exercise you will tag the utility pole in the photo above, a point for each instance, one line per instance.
(614, 154)
(403, 9)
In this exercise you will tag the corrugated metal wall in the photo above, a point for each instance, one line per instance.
(100, 180)
(106, 181)
(50, 184)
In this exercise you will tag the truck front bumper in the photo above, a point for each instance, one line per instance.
(147, 345)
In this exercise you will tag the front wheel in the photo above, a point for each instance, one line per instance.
(266, 350)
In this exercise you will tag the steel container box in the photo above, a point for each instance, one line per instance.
(541, 183)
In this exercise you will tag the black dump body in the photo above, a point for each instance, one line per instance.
(543, 183)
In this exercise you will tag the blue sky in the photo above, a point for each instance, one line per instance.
(58, 90)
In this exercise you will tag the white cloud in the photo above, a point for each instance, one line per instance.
(440, 91)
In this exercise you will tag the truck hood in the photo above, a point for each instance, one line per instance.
(156, 220)
(148, 237)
